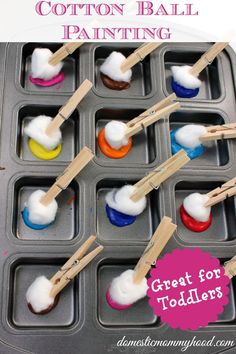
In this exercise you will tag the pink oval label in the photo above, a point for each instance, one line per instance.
(188, 289)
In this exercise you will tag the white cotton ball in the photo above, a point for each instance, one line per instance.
(183, 77)
(194, 206)
(111, 67)
(36, 129)
(189, 135)
(124, 291)
(40, 68)
(115, 134)
(38, 294)
(119, 199)
(39, 213)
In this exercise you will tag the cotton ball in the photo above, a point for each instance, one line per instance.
(124, 291)
(38, 294)
(112, 67)
(115, 134)
(194, 206)
(119, 199)
(183, 77)
(38, 213)
(189, 135)
(40, 68)
(36, 129)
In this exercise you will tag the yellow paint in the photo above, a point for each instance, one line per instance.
(41, 153)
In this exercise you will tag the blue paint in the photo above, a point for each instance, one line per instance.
(25, 216)
(119, 219)
(183, 92)
(192, 153)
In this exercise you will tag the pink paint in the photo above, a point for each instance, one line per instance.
(188, 289)
(47, 83)
(114, 304)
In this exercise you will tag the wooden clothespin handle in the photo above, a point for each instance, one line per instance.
(138, 55)
(152, 118)
(75, 257)
(219, 194)
(158, 106)
(230, 267)
(155, 246)
(63, 52)
(207, 58)
(79, 162)
(219, 132)
(66, 110)
(73, 271)
(159, 175)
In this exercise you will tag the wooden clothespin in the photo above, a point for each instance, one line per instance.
(79, 162)
(63, 52)
(207, 58)
(230, 267)
(219, 194)
(219, 132)
(155, 246)
(159, 175)
(152, 115)
(138, 55)
(73, 266)
(66, 110)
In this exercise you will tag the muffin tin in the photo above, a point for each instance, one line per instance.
(82, 322)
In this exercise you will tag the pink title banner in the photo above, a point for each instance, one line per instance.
(110, 20)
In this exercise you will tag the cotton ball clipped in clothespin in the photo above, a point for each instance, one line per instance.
(194, 214)
(43, 73)
(38, 295)
(120, 209)
(188, 138)
(36, 129)
(132, 285)
(37, 215)
(115, 134)
(194, 205)
(184, 84)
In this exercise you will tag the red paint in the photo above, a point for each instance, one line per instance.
(109, 151)
(192, 224)
(70, 200)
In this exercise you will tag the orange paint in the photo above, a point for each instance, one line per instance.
(109, 151)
